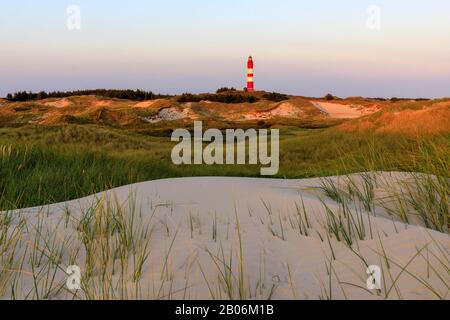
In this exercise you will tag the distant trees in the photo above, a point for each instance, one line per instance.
(21, 96)
(329, 97)
(189, 97)
(138, 95)
(395, 99)
(42, 95)
(222, 98)
(226, 89)
(275, 97)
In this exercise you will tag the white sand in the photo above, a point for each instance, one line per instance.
(171, 114)
(274, 251)
(342, 111)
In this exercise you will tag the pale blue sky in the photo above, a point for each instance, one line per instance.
(300, 47)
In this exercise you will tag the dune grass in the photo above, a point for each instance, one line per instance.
(112, 244)
(113, 241)
(41, 165)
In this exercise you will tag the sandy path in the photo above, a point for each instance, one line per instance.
(196, 217)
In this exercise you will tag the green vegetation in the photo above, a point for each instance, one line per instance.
(329, 97)
(226, 89)
(113, 241)
(275, 97)
(40, 165)
(137, 95)
(227, 97)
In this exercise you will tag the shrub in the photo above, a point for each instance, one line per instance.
(275, 97)
(329, 97)
(76, 120)
(226, 89)
(189, 97)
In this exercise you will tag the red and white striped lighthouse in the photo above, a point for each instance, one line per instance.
(250, 83)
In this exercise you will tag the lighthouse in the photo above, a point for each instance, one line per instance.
(250, 83)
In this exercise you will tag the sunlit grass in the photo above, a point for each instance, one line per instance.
(41, 165)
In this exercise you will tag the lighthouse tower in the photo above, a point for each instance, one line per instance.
(250, 83)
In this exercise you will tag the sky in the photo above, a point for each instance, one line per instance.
(377, 48)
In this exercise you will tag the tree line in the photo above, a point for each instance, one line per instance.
(222, 98)
(138, 95)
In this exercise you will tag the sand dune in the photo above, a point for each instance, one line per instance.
(343, 111)
(58, 103)
(431, 120)
(357, 114)
(171, 114)
(283, 110)
(199, 224)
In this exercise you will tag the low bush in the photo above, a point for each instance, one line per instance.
(275, 97)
